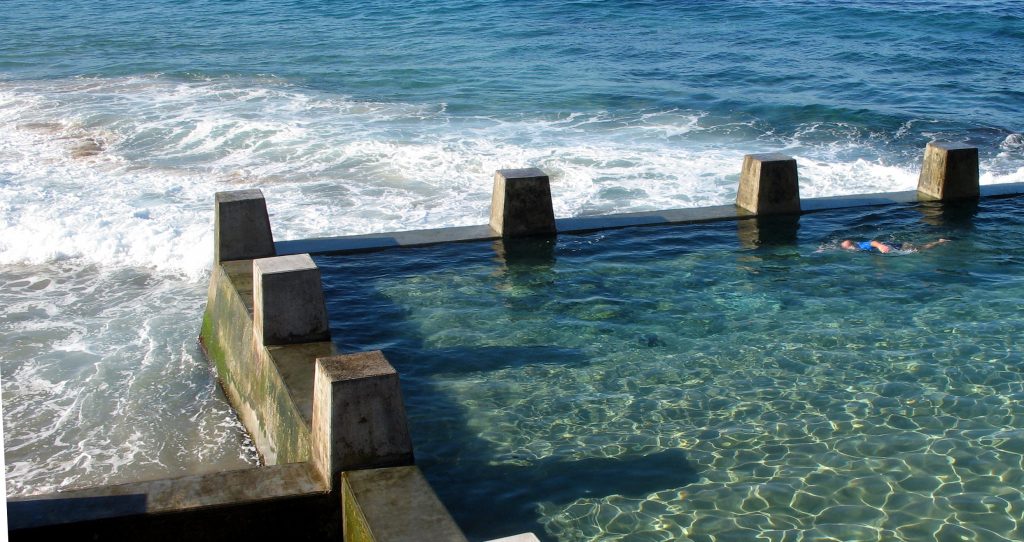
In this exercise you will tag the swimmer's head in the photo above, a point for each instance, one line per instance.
(847, 244)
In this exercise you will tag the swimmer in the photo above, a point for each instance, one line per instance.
(885, 248)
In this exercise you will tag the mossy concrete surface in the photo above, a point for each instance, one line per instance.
(270, 388)
(394, 505)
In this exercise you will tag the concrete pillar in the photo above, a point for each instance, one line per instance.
(288, 301)
(768, 184)
(949, 171)
(521, 203)
(241, 227)
(358, 415)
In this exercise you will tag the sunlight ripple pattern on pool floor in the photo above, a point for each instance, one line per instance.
(669, 384)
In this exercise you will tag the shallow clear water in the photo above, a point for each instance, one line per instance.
(119, 121)
(682, 383)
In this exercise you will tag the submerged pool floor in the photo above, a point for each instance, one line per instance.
(679, 383)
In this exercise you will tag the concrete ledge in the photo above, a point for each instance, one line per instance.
(349, 244)
(394, 505)
(465, 234)
(273, 399)
(246, 503)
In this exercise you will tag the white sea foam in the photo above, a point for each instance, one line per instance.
(1013, 143)
(121, 171)
(113, 378)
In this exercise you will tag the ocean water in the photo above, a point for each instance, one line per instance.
(685, 383)
(118, 122)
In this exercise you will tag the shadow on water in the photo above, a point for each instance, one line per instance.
(489, 497)
(451, 361)
(524, 255)
(508, 503)
(768, 231)
(949, 216)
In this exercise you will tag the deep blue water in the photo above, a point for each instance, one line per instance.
(118, 122)
(877, 64)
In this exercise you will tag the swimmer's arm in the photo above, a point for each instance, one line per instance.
(882, 247)
(933, 244)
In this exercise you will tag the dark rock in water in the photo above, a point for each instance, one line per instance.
(651, 340)
(89, 147)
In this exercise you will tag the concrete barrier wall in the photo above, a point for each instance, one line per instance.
(248, 372)
(769, 187)
(244, 504)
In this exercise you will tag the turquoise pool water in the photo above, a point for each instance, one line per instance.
(686, 383)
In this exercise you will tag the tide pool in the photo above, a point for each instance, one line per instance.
(676, 383)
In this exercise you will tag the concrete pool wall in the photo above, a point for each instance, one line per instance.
(331, 429)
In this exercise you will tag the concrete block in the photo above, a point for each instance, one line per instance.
(394, 505)
(521, 203)
(288, 301)
(769, 184)
(241, 226)
(358, 415)
(949, 171)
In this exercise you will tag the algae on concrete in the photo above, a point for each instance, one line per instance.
(394, 505)
(248, 372)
